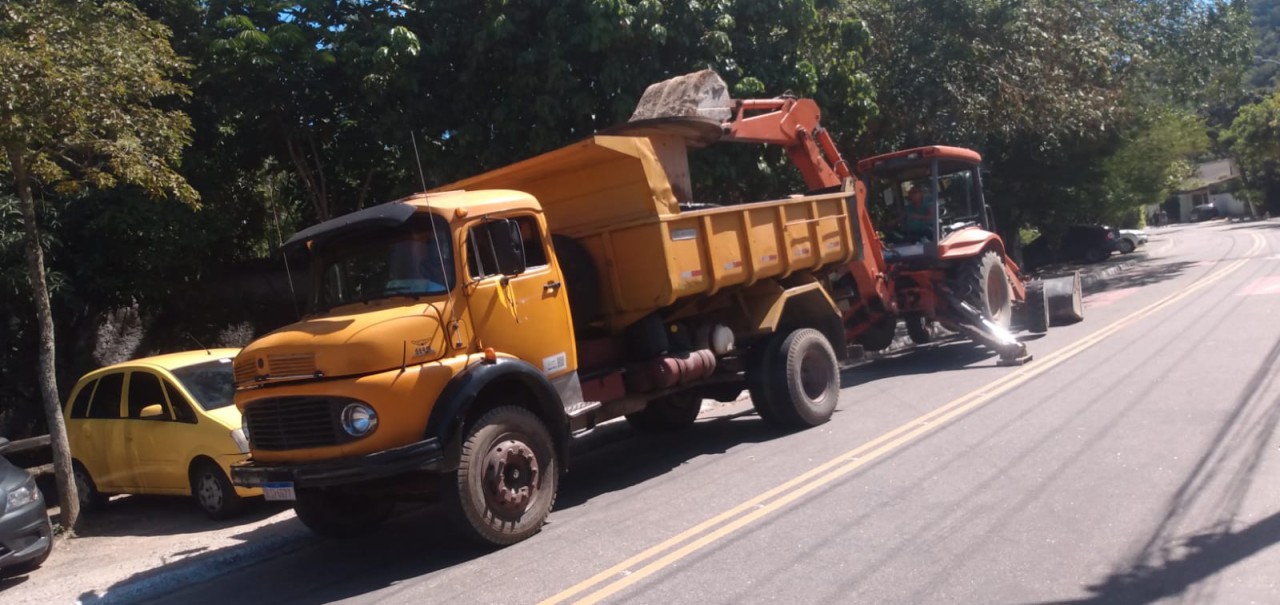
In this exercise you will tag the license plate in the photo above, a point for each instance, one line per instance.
(282, 490)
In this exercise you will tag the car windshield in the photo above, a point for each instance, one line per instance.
(211, 383)
(409, 261)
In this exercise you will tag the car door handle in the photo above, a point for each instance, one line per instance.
(552, 285)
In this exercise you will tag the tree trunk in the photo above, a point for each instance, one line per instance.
(67, 497)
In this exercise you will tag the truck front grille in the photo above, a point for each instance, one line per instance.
(294, 364)
(293, 423)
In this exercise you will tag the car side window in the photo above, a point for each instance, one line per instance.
(182, 411)
(144, 391)
(80, 406)
(106, 398)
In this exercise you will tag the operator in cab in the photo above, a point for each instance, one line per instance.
(918, 218)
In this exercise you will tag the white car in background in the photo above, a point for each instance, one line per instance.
(1130, 239)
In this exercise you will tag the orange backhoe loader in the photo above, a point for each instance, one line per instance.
(937, 259)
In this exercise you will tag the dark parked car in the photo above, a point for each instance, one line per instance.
(26, 538)
(1089, 243)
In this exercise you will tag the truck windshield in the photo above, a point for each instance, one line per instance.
(408, 261)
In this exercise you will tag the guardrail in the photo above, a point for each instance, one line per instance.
(34, 443)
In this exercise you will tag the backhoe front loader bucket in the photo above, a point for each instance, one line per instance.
(700, 94)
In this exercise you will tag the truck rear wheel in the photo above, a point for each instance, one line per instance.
(667, 414)
(340, 514)
(986, 286)
(759, 362)
(506, 480)
(803, 380)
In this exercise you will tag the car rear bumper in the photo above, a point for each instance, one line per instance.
(25, 534)
(426, 455)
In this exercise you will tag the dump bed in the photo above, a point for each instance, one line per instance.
(621, 198)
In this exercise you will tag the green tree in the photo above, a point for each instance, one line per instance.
(1254, 139)
(88, 91)
(1048, 91)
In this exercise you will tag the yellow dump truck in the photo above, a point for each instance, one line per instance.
(458, 339)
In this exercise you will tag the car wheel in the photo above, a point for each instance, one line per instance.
(90, 498)
(1125, 246)
(1096, 255)
(214, 492)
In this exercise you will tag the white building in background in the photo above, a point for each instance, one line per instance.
(1204, 195)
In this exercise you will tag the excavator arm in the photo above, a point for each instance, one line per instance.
(795, 125)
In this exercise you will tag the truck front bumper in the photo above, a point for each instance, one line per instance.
(426, 455)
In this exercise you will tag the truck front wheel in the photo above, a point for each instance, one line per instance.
(506, 480)
(802, 379)
(339, 514)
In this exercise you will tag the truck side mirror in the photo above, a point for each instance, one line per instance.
(508, 246)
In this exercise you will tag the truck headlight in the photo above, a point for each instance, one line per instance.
(241, 439)
(23, 495)
(359, 419)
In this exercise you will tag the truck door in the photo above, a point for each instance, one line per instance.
(525, 313)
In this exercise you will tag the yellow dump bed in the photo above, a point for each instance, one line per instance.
(620, 197)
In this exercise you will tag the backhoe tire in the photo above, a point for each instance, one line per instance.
(879, 335)
(804, 380)
(667, 414)
(1035, 310)
(985, 285)
(339, 514)
(918, 329)
(506, 480)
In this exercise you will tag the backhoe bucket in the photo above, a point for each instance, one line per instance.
(700, 94)
(691, 107)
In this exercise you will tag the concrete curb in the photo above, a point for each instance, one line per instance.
(194, 570)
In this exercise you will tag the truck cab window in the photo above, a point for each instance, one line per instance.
(481, 259)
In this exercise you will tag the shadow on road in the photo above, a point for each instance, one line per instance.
(165, 516)
(1258, 225)
(1142, 275)
(1206, 506)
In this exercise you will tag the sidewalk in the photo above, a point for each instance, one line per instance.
(142, 547)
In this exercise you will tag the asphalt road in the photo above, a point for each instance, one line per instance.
(1134, 460)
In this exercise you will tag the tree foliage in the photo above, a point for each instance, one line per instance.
(86, 101)
(1050, 91)
(1254, 139)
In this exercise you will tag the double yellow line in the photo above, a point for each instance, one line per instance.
(662, 555)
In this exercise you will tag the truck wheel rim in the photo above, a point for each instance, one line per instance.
(210, 492)
(510, 477)
(814, 375)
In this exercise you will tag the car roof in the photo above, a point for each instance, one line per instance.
(169, 361)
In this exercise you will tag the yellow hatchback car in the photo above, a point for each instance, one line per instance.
(159, 425)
